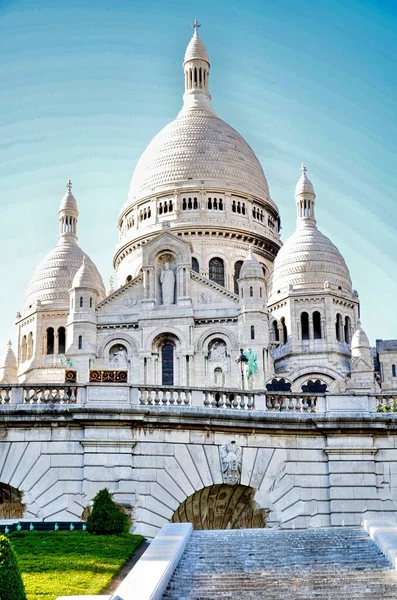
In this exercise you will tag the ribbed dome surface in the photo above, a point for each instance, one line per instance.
(52, 279)
(198, 147)
(251, 267)
(196, 50)
(307, 260)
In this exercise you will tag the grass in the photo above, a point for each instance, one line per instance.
(58, 563)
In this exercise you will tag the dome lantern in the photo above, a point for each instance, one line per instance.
(68, 215)
(196, 67)
(305, 197)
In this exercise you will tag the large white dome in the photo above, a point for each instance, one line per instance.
(198, 147)
(53, 277)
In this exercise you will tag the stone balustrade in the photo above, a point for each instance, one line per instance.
(130, 395)
(49, 394)
(386, 403)
(306, 403)
(164, 396)
(5, 394)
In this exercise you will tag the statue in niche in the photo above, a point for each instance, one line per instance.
(167, 280)
(217, 351)
(231, 458)
(118, 357)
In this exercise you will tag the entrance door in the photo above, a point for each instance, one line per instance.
(167, 364)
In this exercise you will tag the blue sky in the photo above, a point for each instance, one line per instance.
(84, 86)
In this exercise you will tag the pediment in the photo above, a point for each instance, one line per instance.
(166, 241)
(208, 294)
(126, 299)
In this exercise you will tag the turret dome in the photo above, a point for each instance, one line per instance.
(308, 259)
(196, 50)
(9, 366)
(87, 277)
(53, 277)
(360, 343)
(251, 267)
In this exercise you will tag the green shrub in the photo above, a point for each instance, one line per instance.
(11, 585)
(106, 517)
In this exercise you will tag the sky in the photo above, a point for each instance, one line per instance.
(84, 87)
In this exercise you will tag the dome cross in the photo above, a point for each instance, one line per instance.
(69, 186)
(195, 26)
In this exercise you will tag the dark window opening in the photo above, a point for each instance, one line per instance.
(252, 332)
(237, 269)
(80, 344)
(61, 340)
(305, 325)
(195, 265)
(50, 341)
(276, 331)
(347, 330)
(393, 370)
(317, 325)
(217, 271)
(285, 332)
(81, 301)
(167, 364)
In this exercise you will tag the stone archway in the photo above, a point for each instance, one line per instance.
(221, 507)
(11, 505)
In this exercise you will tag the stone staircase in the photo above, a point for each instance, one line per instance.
(327, 563)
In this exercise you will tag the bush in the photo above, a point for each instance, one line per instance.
(11, 585)
(106, 517)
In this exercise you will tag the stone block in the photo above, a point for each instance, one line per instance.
(214, 463)
(52, 493)
(67, 461)
(175, 471)
(197, 453)
(41, 466)
(143, 461)
(152, 449)
(248, 462)
(187, 465)
(168, 483)
(160, 494)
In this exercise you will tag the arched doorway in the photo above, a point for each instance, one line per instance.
(221, 506)
(11, 506)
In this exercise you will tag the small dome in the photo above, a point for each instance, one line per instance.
(308, 260)
(251, 267)
(87, 276)
(196, 50)
(53, 277)
(304, 185)
(360, 342)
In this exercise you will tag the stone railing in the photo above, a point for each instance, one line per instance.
(386, 403)
(287, 401)
(49, 394)
(5, 394)
(124, 395)
(164, 396)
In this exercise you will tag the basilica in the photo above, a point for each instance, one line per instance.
(223, 369)
(201, 273)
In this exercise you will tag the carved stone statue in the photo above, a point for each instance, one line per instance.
(118, 358)
(231, 458)
(217, 351)
(167, 280)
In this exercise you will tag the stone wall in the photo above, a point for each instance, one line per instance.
(307, 470)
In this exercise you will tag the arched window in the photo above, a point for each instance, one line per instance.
(195, 203)
(217, 271)
(252, 332)
(184, 205)
(129, 278)
(338, 327)
(90, 302)
(195, 264)
(305, 326)
(29, 351)
(167, 364)
(393, 370)
(81, 301)
(50, 341)
(251, 291)
(80, 343)
(276, 331)
(347, 330)
(61, 340)
(285, 332)
(317, 325)
(23, 349)
(237, 269)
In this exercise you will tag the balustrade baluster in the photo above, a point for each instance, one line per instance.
(172, 399)
(269, 403)
(56, 396)
(236, 401)
(6, 398)
(157, 397)
(305, 404)
(73, 395)
(207, 400)
(149, 398)
(188, 398)
(213, 400)
(251, 402)
(179, 397)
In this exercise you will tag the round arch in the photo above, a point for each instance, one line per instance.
(221, 506)
(208, 336)
(114, 338)
(157, 337)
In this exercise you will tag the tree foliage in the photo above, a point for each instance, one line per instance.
(106, 517)
(11, 584)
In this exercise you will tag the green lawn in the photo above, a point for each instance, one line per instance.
(66, 563)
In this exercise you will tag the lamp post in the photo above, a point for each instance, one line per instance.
(242, 361)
